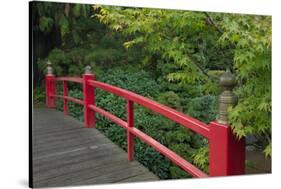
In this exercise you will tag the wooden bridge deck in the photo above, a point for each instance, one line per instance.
(66, 154)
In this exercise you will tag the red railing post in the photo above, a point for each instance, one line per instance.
(227, 152)
(130, 136)
(65, 101)
(50, 87)
(89, 98)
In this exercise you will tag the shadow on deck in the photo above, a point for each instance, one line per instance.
(66, 154)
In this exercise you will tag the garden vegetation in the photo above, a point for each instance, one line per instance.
(173, 57)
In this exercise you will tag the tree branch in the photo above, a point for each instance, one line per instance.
(211, 21)
(202, 70)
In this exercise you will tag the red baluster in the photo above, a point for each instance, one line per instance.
(50, 87)
(65, 101)
(227, 152)
(89, 98)
(130, 136)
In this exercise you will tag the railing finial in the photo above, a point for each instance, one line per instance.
(227, 97)
(49, 68)
(88, 69)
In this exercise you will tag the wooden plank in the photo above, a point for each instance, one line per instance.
(70, 160)
(66, 168)
(58, 134)
(62, 147)
(87, 134)
(43, 132)
(140, 178)
(114, 176)
(63, 142)
(83, 171)
(94, 173)
(65, 153)
(58, 156)
(50, 148)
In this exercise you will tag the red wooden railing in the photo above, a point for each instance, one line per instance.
(226, 153)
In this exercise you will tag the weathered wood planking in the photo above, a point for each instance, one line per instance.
(65, 154)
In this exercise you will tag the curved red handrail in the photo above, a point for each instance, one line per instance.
(71, 79)
(110, 116)
(70, 99)
(187, 121)
(226, 156)
(65, 97)
(185, 165)
(178, 160)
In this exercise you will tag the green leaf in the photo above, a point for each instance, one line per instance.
(267, 150)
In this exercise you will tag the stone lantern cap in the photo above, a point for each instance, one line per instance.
(88, 69)
(49, 68)
(227, 97)
(227, 80)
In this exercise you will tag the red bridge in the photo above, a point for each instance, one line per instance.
(226, 153)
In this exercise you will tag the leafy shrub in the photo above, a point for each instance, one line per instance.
(203, 108)
(38, 95)
(170, 99)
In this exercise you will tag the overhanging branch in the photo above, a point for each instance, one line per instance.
(211, 21)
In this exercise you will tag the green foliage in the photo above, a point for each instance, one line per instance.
(152, 159)
(45, 24)
(267, 151)
(131, 78)
(201, 158)
(160, 33)
(203, 108)
(64, 25)
(38, 95)
(59, 15)
(251, 36)
(197, 43)
(108, 56)
(99, 51)
(170, 99)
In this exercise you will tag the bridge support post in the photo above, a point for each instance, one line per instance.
(89, 98)
(65, 101)
(227, 152)
(50, 87)
(130, 136)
